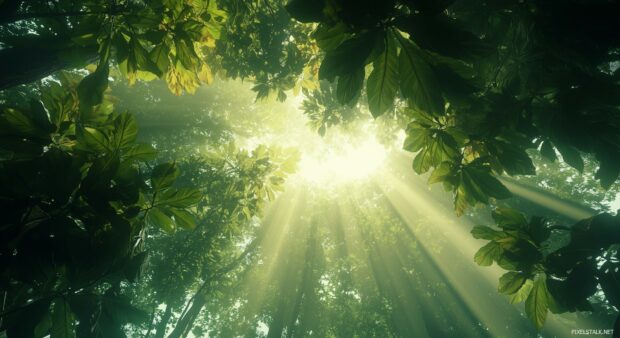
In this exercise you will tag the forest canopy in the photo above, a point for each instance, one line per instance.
(329, 168)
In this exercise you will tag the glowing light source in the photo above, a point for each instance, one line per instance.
(346, 163)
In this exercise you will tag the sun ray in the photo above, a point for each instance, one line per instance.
(558, 205)
(470, 288)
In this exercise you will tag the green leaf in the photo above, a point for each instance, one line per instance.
(179, 198)
(306, 10)
(536, 304)
(143, 59)
(62, 320)
(91, 88)
(417, 137)
(485, 232)
(40, 117)
(514, 160)
(481, 185)
(17, 123)
(570, 156)
(184, 219)
(91, 139)
(141, 152)
(511, 282)
(157, 218)
(330, 37)
(522, 293)
(439, 147)
(418, 83)
(349, 87)
(164, 175)
(442, 173)
(186, 53)
(159, 56)
(508, 218)
(349, 57)
(125, 130)
(382, 84)
(487, 254)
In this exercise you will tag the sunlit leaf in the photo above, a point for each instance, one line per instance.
(164, 175)
(179, 198)
(487, 254)
(157, 218)
(350, 87)
(184, 219)
(417, 80)
(141, 152)
(62, 320)
(511, 282)
(536, 304)
(382, 84)
(523, 292)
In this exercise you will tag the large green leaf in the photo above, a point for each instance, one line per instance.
(179, 198)
(536, 304)
(481, 185)
(349, 87)
(159, 56)
(91, 88)
(19, 123)
(443, 172)
(141, 152)
(511, 282)
(157, 218)
(417, 137)
(328, 37)
(164, 175)
(184, 219)
(382, 84)
(513, 159)
(487, 254)
(439, 147)
(91, 139)
(418, 83)
(62, 320)
(349, 57)
(508, 218)
(125, 130)
(484, 232)
(522, 293)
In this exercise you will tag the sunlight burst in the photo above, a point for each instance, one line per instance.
(347, 163)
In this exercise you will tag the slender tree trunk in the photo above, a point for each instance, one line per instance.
(151, 322)
(163, 323)
(276, 327)
(186, 322)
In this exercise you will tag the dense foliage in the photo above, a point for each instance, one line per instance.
(103, 238)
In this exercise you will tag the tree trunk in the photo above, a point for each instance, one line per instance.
(186, 322)
(163, 323)
(20, 65)
(276, 327)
